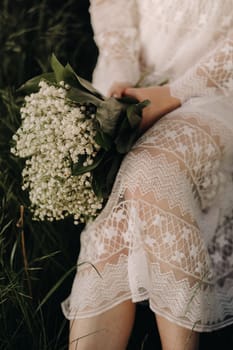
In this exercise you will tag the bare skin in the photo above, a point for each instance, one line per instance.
(117, 89)
(109, 330)
(174, 337)
(161, 101)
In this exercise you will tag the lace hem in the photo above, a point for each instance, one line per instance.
(190, 306)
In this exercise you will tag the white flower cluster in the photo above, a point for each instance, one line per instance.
(54, 133)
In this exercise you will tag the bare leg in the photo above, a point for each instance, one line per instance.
(174, 337)
(109, 330)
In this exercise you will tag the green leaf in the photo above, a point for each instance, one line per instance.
(83, 83)
(70, 77)
(126, 136)
(104, 175)
(58, 69)
(111, 175)
(108, 113)
(104, 140)
(12, 256)
(98, 186)
(133, 117)
(4, 228)
(134, 112)
(143, 104)
(80, 96)
(128, 100)
(79, 169)
(32, 85)
(99, 178)
(126, 141)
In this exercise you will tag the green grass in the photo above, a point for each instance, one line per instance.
(35, 279)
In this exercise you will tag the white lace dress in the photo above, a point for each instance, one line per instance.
(166, 233)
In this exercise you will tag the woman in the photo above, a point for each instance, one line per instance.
(165, 234)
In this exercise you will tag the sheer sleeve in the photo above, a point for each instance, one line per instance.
(115, 32)
(212, 75)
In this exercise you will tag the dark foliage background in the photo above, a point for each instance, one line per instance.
(34, 281)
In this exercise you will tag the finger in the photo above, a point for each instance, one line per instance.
(115, 92)
(131, 92)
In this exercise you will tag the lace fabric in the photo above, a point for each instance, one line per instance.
(213, 75)
(150, 241)
(117, 41)
(163, 38)
(166, 232)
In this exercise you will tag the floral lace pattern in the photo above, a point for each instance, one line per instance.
(149, 242)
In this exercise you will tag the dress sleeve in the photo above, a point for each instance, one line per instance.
(212, 75)
(116, 34)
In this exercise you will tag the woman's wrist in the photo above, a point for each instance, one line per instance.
(172, 102)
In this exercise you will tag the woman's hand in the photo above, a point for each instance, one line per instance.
(117, 89)
(161, 102)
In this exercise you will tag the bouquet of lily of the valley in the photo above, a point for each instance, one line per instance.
(73, 140)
